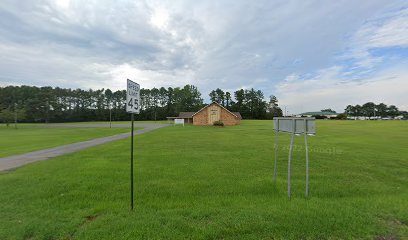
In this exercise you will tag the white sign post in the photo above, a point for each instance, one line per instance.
(179, 121)
(132, 97)
(294, 126)
(132, 106)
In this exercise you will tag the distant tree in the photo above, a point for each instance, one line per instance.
(213, 96)
(404, 114)
(218, 96)
(341, 116)
(381, 110)
(239, 101)
(368, 109)
(221, 96)
(228, 99)
(328, 110)
(392, 111)
(155, 96)
(273, 109)
(7, 116)
(349, 110)
(47, 104)
(358, 110)
(319, 117)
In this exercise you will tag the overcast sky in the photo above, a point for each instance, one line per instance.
(310, 54)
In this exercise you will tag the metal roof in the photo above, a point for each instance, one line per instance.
(319, 113)
(186, 114)
(191, 114)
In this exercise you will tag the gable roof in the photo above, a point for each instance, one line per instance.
(221, 107)
(186, 114)
(238, 115)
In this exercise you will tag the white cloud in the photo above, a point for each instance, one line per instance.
(389, 30)
(363, 78)
(330, 89)
(393, 32)
(160, 18)
(228, 44)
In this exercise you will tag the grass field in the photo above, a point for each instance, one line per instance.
(216, 183)
(28, 137)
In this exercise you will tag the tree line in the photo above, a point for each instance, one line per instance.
(47, 104)
(249, 102)
(371, 109)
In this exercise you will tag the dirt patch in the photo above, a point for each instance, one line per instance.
(390, 237)
(394, 226)
(90, 218)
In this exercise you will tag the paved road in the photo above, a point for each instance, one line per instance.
(99, 125)
(15, 161)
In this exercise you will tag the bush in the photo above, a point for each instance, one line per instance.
(218, 123)
(319, 117)
(341, 116)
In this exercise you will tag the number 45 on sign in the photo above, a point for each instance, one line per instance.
(132, 97)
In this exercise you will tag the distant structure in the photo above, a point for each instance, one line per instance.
(324, 114)
(209, 114)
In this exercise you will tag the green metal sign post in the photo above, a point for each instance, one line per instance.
(132, 106)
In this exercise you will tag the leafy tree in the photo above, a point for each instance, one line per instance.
(47, 104)
(240, 98)
(341, 116)
(273, 108)
(381, 110)
(7, 116)
(228, 99)
(392, 111)
(404, 114)
(218, 96)
(349, 110)
(370, 109)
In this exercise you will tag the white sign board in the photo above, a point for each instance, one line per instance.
(295, 125)
(132, 97)
(179, 121)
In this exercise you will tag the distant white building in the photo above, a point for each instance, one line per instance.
(325, 114)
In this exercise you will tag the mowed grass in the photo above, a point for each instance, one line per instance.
(28, 137)
(216, 183)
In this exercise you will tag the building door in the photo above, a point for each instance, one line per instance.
(213, 114)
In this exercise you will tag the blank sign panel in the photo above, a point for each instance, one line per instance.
(295, 125)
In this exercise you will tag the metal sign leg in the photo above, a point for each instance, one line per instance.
(276, 156)
(307, 166)
(289, 162)
(131, 166)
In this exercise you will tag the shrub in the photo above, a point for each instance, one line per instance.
(218, 123)
(319, 117)
(342, 116)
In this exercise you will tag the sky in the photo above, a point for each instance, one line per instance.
(310, 54)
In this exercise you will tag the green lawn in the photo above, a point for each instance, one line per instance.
(216, 183)
(29, 137)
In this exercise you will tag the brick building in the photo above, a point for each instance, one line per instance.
(209, 114)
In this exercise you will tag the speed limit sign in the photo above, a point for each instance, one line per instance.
(132, 106)
(132, 97)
